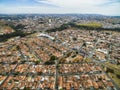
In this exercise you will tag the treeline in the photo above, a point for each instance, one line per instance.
(62, 27)
(5, 37)
(82, 27)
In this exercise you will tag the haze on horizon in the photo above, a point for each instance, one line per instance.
(105, 7)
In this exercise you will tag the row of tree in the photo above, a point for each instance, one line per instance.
(82, 27)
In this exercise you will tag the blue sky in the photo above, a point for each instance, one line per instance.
(106, 7)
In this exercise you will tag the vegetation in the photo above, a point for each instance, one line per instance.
(5, 29)
(113, 67)
(87, 26)
(91, 24)
(52, 60)
(5, 37)
(88, 60)
(62, 27)
(14, 48)
(37, 61)
(115, 79)
(113, 71)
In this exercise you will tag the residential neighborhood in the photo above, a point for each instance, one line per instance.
(50, 57)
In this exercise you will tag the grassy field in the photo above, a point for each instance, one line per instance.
(113, 75)
(115, 79)
(91, 24)
(115, 68)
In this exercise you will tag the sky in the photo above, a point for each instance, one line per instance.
(104, 7)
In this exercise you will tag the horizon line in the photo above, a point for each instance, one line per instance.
(56, 13)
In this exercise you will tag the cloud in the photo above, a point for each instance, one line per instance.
(107, 7)
(76, 3)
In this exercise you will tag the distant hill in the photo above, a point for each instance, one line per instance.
(116, 16)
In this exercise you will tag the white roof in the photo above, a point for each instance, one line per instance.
(46, 35)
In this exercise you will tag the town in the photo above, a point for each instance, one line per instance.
(59, 52)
